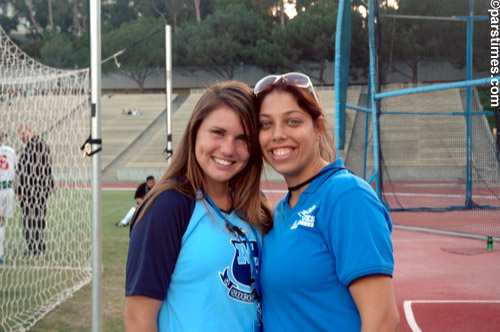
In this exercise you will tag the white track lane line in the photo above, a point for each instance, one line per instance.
(410, 318)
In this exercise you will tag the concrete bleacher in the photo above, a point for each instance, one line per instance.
(327, 98)
(414, 143)
(149, 158)
(423, 139)
(119, 129)
(435, 142)
(409, 140)
(151, 154)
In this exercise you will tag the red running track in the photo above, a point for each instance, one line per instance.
(442, 283)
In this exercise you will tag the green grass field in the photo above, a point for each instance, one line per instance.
(76, 313)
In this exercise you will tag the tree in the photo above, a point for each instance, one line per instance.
(222, 42)
(31, 10)
(80, 15)
(7, 23)
(173, 12)
(310, 37)
(197, 9)
(119, 13)
(303, 5)
(56, 51)
(51, 17)
(143, 41)
(271, 55)
(409, 41)
(81, 51)
(61, 15)
(360, 56)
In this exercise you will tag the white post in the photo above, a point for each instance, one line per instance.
(168, 89)
(95, 78)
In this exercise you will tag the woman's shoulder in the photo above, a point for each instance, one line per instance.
(168, 208)
(345, 181)
(172, 198)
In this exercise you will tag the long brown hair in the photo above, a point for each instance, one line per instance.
(310, 105)
(185, 174)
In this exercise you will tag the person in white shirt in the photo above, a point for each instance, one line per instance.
(8, 166)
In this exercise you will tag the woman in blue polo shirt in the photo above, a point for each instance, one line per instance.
(195, 240)
(327, 262)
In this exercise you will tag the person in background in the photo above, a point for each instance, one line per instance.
(8, 165)
(35, 185)
(195, 241)
(327, 262)
(140, 192)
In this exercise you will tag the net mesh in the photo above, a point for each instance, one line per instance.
(47, 256)
(439, 168)
(425, 158)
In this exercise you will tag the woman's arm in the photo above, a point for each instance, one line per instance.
(374, 297)
(141, 313)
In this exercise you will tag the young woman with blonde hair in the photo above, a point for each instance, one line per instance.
(195, 240)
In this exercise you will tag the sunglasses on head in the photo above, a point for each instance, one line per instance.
(298, 79)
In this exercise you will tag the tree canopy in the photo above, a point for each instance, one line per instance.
(221, 35)
(222, 42)
(143, 41)
(433, 36)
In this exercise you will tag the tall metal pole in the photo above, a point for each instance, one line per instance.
(168, 89)
(468, 182)
(373, 87)
(95, 78)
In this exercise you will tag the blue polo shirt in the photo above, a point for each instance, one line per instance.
(336, 233)
(181, 253)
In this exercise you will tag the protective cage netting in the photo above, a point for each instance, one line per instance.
(439, 163)
(429, 165)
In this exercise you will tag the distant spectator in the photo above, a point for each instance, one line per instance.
(35, 185)
(133, 112)
(141, 191)
(8, 164)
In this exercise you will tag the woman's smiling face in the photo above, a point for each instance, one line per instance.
(288, 137)
(221, 147)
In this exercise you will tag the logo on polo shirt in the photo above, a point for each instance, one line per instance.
(306, 219)
(238, 277)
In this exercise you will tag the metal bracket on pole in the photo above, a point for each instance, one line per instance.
(167, 154)
(87, 146)
(168, 91)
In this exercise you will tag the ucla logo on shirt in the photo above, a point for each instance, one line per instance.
(306, 219)
(238, 277)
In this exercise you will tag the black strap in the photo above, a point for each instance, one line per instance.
(87, 146)
(300, 185)
(167, 153)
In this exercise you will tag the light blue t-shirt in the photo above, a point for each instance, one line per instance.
(182, 254)
(336, 233)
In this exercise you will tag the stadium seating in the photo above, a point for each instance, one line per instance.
(120, 131)
(119, 128)
(410, 142)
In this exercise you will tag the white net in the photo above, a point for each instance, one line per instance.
(44, 117)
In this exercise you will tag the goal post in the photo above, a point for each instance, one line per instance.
(47, 256)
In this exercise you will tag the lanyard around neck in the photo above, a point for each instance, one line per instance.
(242, 236)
